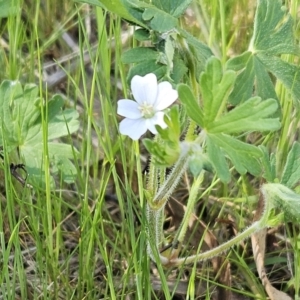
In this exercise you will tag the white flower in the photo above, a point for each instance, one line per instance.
(147, 111)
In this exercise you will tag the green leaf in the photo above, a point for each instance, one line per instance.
(27, 110)
(141, 34)
(215, 88)
(155, 18)
(251, 72)
(263, 82)
(243, 156)
(249, 116)
(118, 7)
(159, 20)
(273, 36)
(61, 154)
(195, 165)
(243, 86)
(179, 69)
(217, 158)
(173, 7)
(21, 122)
(8, 120)
(291, 172)
(196, 52)
(269, 164)
(273, 29)
(146, 67)
(284, 199)
(8, 8)
(191, 105)
(237, 63)
(140, 54)
(288, 74)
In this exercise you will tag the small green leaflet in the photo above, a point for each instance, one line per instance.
(215, 88)
(21, 126)
(273, 36)
(269, 164)
(190, 103)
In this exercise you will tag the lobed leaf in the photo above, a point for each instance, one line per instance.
(215, 88)
(249, 116)
(243, 156)
(288, 74)
(273, 29)
(273, 36)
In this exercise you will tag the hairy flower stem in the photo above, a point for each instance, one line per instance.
(155, 206)
(155, 232)
(167, 188)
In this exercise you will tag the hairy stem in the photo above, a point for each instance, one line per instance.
(256, 226)
(172, 180)
(269, 193)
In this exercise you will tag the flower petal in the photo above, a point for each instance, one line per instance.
(144, 89)
(166, 96)
(133, 128)
(129, 109)
(158, 119)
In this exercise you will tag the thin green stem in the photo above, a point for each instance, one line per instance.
(223, 30)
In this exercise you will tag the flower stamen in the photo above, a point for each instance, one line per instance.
(147, 110)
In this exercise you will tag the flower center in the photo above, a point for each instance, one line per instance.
(147, 110)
